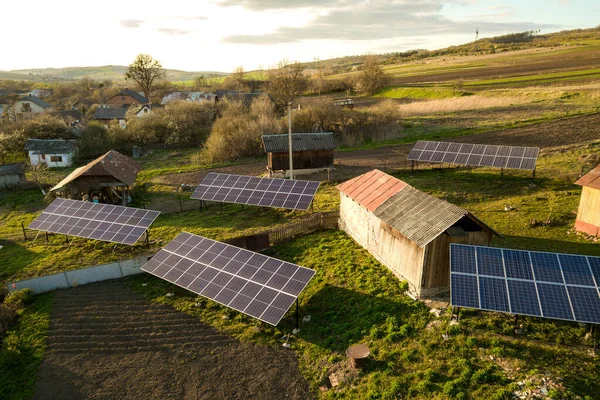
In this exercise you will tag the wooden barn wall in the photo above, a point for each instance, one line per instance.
(589, 206)
(436, 267)
(302, 160)
(11, 181)
(400, 255)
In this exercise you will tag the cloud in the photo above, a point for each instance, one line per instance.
(381, 19)
(191, 18)
(263, 5)
(174, 32)
(131, 23)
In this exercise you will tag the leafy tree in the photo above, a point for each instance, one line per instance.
(286, 82)
(146, 72)
(236, 81)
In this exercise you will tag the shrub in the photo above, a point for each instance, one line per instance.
(18, 298)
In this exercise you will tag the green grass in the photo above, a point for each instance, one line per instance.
(530, 80)
(353, 299)
(419, 92)
(23, 347)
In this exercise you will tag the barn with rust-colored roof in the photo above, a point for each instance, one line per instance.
(109, 178)
(588, 214)
(407, 230)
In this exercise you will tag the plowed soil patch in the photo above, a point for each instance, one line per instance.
(106, 342)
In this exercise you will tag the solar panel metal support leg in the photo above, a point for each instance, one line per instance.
(66, 239)
(595, 336)
(412, 166)
(47, 239)
(147, 238)
(533, 173)
(501, 171)
(36, 236)
(297, 317)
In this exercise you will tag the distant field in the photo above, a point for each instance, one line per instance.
(419, 92)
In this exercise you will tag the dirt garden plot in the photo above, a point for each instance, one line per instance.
(106, 342)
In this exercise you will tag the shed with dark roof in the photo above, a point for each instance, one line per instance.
(111, 176)
(407, 230)
(588, 214)
(309, 151)
(12, 175)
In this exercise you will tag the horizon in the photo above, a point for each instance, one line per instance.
(263, 32)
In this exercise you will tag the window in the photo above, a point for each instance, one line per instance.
(25, 107)
(55, 158)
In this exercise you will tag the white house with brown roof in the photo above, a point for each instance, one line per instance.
(407, 230)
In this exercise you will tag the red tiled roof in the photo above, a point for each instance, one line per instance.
(591, 179)
(372, 189)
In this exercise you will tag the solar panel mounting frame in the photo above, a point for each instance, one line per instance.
(537, 262)
(211, 265)
(250, 190)
(475, 155)
(97, 221)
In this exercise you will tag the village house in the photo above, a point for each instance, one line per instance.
(407, 230)
(126, 98)
(107, 115)
(32, 105)
(52, 152)
(109, 178)
(311, 152)
(588, 214)
(195, 97)
(12, 176)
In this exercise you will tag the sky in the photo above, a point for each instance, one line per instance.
(219, 35)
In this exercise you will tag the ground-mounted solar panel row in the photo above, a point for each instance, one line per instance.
(266, 192)
(476, 155)
(254, 284)
(549, 285)
(104, 222)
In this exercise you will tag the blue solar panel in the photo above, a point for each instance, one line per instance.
(493, 294)
(576, 270)
(523, 298)
(463, 259)
(517, 264)
(489, 261)
(549, 285)
(555, 302)
(595, 266)
(464, 291)
(586, 303)
(546, 267)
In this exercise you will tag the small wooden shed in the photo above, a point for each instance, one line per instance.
(12, 176)
(588, 215)
(407, 230)
(309, 151)
(109, 177)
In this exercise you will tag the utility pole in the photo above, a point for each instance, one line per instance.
(476, 33)
(290, 139)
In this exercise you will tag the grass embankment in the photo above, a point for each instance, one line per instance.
(23, 347)
(420, 92)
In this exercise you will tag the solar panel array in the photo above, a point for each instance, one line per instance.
(105, 222)
(476, 155)
(254, 284)
(549, 285)
(267, 192)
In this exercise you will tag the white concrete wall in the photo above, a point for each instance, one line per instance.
(82, 276)
(36, 159)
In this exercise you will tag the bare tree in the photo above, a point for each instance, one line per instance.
(146, 72)
(372, 77)
(286, 82)
(236, 80)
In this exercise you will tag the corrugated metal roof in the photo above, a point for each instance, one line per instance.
(50, 145)
(300, 142)
(110, 113)
(113, 164)
(419, 216)
(371, 189)
(416, 215)
(591, 179)
(12, 169)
